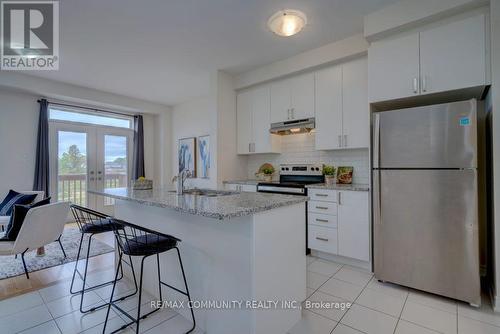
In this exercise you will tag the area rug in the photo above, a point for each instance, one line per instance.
(10, 266)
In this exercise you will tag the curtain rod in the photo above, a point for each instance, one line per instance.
(87, 108)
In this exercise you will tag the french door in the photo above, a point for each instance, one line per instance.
(87, 157)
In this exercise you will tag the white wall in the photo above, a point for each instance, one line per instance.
(19, 112)
(328, 54)
(299, 148)
(193, 119)
(231, 165)
(18, 132)
(214, 115)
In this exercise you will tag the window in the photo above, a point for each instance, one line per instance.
(81, 117)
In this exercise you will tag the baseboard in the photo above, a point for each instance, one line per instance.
(342, 259)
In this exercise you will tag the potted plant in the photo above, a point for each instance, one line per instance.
(268, 173)
(329, 173)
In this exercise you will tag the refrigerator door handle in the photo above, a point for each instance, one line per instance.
(376, 140)
(377, 200)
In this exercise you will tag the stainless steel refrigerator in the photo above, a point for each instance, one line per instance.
(425, 211)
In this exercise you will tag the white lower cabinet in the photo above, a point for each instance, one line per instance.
(354, 225)
(338, 223)
(323, 239)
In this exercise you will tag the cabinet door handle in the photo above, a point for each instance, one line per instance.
(322, 195)
(415, 85)
(424, 83)
(345, 140)
(322, 207)
(339, 197)
(288, 111)
(322, 239)
(293, 113)
(322, 220)
(340, 140)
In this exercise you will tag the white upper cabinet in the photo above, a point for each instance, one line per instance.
(355, 111)
(453, 56)
(244, 110)
(292, 99)
(280, 101)
(329, 108)
(253, 122)
(342, 114)
(302, 96)
(446, 57)
(393, 68)
(263, 141)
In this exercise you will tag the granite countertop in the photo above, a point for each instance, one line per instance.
(220, 207)
(351, 187)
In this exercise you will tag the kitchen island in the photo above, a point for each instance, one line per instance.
(245, 250)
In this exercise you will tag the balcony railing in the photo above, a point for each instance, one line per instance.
(73, 187)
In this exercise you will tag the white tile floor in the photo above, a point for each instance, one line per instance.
(53, 310)
(380, 308)
(377, 308)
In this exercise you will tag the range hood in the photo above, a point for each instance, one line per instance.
(293, 127)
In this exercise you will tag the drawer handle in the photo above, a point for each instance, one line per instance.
(322, 220)
(322, 239)
(322, 195)
(322, 207)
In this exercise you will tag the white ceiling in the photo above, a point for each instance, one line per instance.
(164, 50)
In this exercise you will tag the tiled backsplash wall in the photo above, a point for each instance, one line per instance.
(299, 148)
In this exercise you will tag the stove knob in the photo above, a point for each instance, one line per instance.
(317, 168)
(312, 168)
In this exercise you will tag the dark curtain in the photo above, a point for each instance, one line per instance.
(41, 180)
(138, 156)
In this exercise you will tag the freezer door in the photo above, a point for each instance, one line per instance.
(437, 136)
(426, 231)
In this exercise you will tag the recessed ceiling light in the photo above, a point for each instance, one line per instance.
(287, 22)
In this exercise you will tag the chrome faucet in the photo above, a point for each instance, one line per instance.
(181, 178)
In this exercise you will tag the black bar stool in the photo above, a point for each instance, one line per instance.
(135, 240)
(90, 223)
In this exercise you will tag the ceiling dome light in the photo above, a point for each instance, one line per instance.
(287, 22)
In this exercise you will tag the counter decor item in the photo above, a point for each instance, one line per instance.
(329, 173)
(344, 174)
(142, 184)
(265, 172)
(203, 164)
(187, 155)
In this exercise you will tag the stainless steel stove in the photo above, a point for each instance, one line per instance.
(293, 181)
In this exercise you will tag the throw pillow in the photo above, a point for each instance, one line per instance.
(12, 198)
(17, 218)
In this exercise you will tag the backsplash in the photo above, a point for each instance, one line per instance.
(299, 148)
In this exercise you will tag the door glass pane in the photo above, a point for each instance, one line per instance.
(115, 163)
(72, 167)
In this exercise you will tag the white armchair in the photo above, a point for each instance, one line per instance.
(4, 220)
(42, 225)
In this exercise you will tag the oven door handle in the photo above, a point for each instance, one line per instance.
(300, 191)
